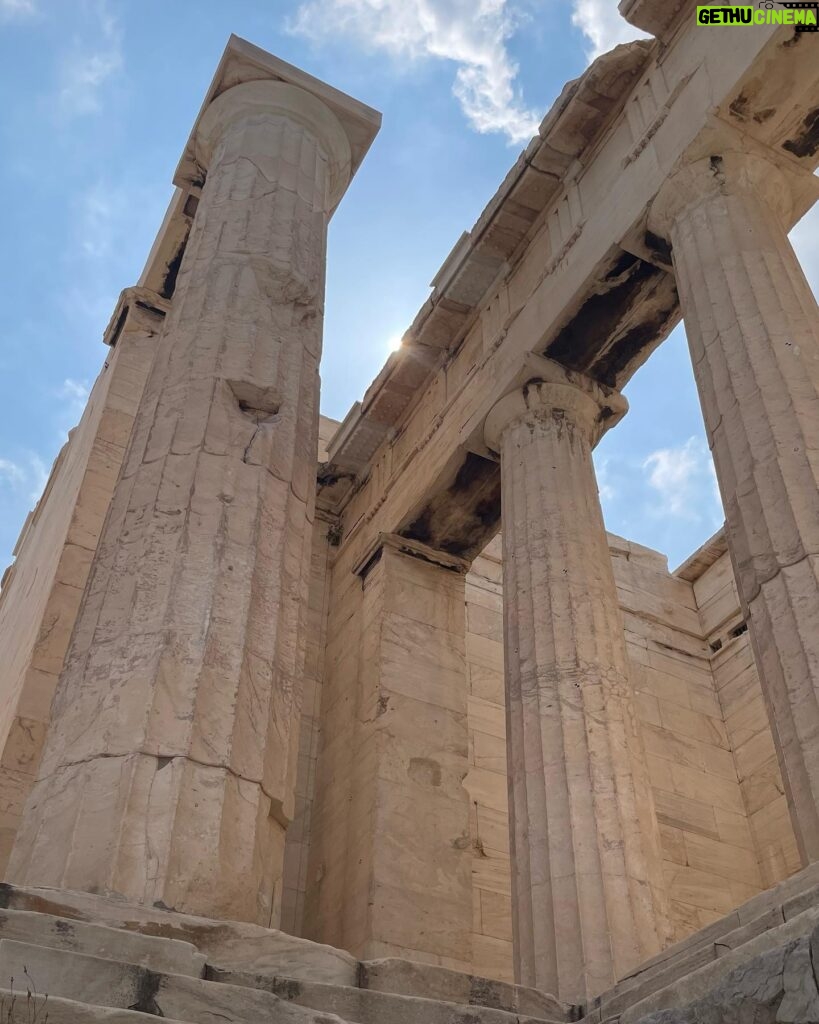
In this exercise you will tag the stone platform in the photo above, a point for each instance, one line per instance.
(102, 959)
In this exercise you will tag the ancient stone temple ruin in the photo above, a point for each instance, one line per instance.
(372, 721)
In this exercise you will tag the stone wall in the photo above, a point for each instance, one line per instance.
(43, 588)
(717, 785)
(710, 864)
(717, 789)
(746, 723)
(298, 834)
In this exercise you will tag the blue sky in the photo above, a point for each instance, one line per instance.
(98, 99)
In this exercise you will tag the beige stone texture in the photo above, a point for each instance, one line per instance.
(390, 863)
(747, 724)
(43, 589)
(708, 857)
(297, 840)
(588, 900)
(171, 761)
(753, 329)
(278, 702)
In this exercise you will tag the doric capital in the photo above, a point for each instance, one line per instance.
(557, 393)
(725, 172)
(260, 98)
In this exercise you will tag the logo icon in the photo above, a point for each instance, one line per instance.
(803, 16)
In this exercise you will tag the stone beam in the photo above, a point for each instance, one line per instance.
(587, 284)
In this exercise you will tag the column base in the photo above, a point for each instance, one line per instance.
(211, 845)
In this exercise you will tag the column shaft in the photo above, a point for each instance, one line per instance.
(168, 773)
(587, 891)
(753, 330)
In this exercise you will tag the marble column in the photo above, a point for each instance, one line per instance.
(587, 892)
(168, 773)
(753, 330)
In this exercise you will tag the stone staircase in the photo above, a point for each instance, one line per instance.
(101, 959)
(125, 964)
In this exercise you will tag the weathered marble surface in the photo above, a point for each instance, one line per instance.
(390, 862)
(780, 986)
(588, 900)
(168, 775)
(753, 328)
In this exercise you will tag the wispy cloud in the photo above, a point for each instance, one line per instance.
(605, 481)
(685, 481)
(600, 22)
(74, 395)
(11, 472)
(16, 9)
(25, 477)
(473, 34)
(89, 66)
(112, 226)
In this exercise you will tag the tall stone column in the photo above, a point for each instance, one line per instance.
(753, 330)
(587, 891)
(168, 773)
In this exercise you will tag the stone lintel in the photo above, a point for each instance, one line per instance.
(243, 62)
(413, 548)
(142, 304)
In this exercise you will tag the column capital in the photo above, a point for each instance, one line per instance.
(725, 172)
(555, 392)
(259, 98)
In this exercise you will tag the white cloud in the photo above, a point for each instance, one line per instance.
(86, 69)
(75, 390)
(11, 472)
(38, 474)
(473, 34)
(101, 211)
(11, 9)
(25, 478)
(605, 485)
(75, 396)
(601, 23)
(685, 480)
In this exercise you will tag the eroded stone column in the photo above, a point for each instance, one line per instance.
(169, 770)
(587, 892)
(753, 330)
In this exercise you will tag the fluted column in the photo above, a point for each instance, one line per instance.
(168, 774)
(587, 891)
(753, 330)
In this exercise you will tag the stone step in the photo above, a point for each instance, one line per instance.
(408, 978)
(369, 1006)
(228, 943)
(13, 1006)
(254, 950)
(116, 985)
(158, 954)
